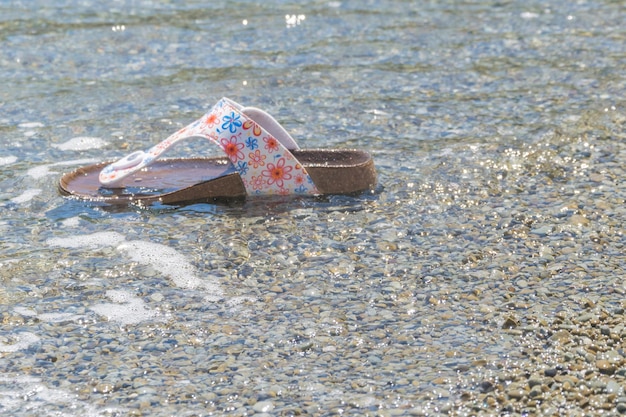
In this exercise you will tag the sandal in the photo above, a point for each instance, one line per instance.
(261, 159)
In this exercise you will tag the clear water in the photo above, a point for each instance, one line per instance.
(492, 124)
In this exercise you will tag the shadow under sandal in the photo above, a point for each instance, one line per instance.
(261, 158)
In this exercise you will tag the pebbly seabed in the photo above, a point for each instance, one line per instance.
(484, 276)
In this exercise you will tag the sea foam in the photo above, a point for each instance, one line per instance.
(81, 143)
(170, 263)
(26, 196)
(21, 341)
(165, 260)
(7, 160)
(92, 241)
(43, 171)
(126, 308)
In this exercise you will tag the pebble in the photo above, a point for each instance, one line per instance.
(516, 391)
(263, 406)
(606, 367)
(542, 231)
(579, 220)
(157, 297)
(535, 379)
(276, 289)
(561, 336)
(536, 391)
(613, 387)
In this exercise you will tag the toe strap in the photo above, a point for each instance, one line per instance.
(265, 163)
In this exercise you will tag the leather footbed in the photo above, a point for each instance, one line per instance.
(174, 181)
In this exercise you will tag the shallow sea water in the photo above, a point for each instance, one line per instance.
(498, 130)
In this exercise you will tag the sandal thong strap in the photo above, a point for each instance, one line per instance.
(265, 164)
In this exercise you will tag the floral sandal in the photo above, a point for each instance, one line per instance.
(261, 159)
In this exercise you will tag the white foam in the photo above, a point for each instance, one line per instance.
(22, 393)
(47, 317)
(26, 196)
(6, 160)
(39, 172)
(22, 341)
(236, 305)
(58, 317)
(92, 241)
(81, 143)
(529, 15)
(170, 263)
(165, 260)
(126, 308)
(71, 222)
(44, 170)
(28, 312)
(30, 125)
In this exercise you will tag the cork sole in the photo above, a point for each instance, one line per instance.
(180, 181)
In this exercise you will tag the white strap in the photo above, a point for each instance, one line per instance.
(261, 158)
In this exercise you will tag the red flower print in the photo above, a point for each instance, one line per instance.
(257, 182)
(278, 173)
(299, 180)
(158, 148)
(271, 144)
(211, 120)
(232, 148)
(256, 159)
(256, 129)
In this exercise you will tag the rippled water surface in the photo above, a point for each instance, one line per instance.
(498, 130)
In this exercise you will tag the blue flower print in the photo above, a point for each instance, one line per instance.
(252, 143)
(242, 167)
(231, 122)
(147, 160)
(301, 189)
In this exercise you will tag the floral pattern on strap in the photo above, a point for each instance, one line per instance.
(264, 164)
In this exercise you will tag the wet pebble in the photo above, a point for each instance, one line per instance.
(516, 391)
(606, 367)
(263, 406)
